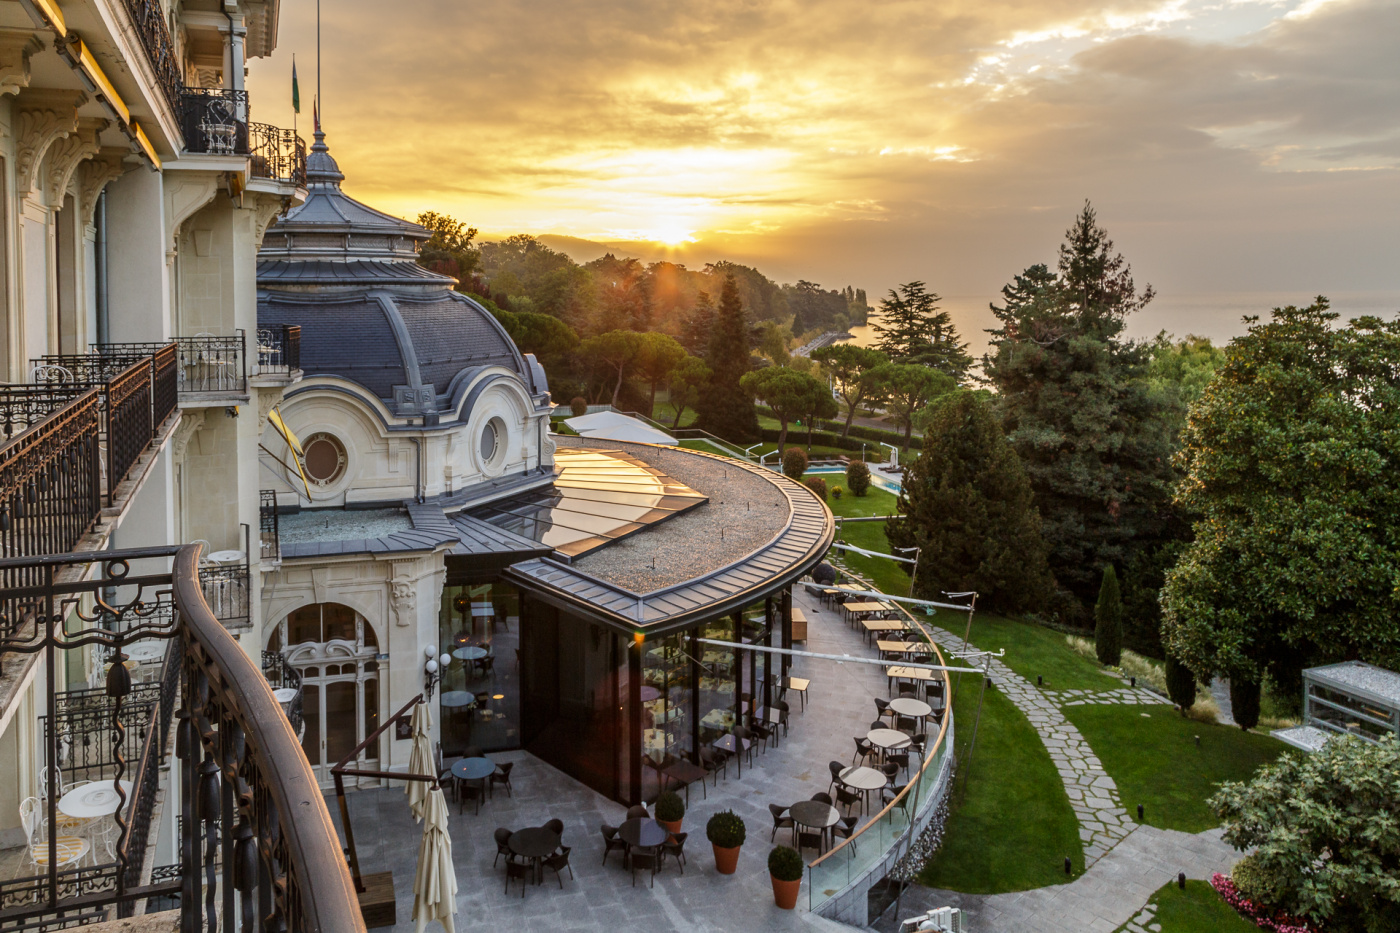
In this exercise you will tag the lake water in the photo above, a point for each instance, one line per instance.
(1213, 315)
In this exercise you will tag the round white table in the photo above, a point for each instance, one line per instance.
(908, 706)
(285, 695)
(145, 651)
(225, 557)
(93, 800)
(888, 739)
(862, 778)
(469, 653)
(456, 699)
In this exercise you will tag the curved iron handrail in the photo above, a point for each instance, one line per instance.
(279, 798)
(930, 748)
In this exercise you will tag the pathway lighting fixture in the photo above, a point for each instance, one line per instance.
(1068, 868)
(1181, 880)
(1139, 811)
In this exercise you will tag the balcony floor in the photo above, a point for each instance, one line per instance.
(601, 898)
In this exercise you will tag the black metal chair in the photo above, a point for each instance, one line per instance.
(522, 870)
(906, 724)
(502, 845)
(471, 790)
(782, 707)
(864, 749)
(645, 857)
(781, 820)
(846, 829)
(918, 743)
(821, 797)
(888, 795)
(835, 767)
(637, 812)
(555, 826)
(611, 842)
(809, 841)
(763, 731)
(675, 847)
(502, 776)
(713, 761)
(849, 798)
(899, 760)
(558, 862)
(882, 707)
(743, 735)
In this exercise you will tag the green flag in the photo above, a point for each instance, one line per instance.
(296, 91)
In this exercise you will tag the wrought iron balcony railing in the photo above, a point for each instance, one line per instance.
(148, 18)
(282, 676)
(279, 348)
(277, 153)
(136, 393)
(214, 120)
(257, 846)
(204, 363)
(268, 534)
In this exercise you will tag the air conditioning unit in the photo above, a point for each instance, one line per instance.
(940, 919)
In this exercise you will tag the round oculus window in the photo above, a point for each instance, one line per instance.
(489, 440)
(325, 459)
(491, 447)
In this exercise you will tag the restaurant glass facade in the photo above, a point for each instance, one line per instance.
(479, 627)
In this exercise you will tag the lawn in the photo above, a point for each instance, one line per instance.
(1031, 651)
(1152, 755)
(1012, 827)
(888, 575)
(1198, 909)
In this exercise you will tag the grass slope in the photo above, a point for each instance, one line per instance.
(1012, 826)
(1198, 909)
(1031, 651)
(1155, 761)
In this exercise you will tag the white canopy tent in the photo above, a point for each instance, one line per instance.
(612, 426)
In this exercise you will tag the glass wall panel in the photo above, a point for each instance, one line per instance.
(479, 626)
(340, 720)
(668, 709)
(717, 701)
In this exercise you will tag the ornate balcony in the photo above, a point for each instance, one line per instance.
(279, 349)
(214, 120)
(257, 849)
(277, 154)
(268, 534)
(205, 364)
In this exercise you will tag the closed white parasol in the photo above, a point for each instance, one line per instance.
(435, 884)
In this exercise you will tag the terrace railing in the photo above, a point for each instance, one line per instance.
(148, 18)
(50, 469)
(277, 153)
(886, 837)
(279, 348)
(204, 363)
(257, 847)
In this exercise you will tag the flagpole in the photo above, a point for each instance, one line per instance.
(318, 65)
(295, 108)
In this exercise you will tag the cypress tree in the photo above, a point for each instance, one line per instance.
(1108, 619)
(966, 502)
(1181, 684)
(725, 408)
(1244, 702)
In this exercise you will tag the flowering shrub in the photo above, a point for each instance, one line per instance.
(1265, 919)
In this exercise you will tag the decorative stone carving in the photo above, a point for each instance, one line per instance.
(66, 154)
(404, 601)
(265, 211)
(267, 400)
(185, 193)
(42, 119)
(191, 420)
(16, 46)
(93, 176)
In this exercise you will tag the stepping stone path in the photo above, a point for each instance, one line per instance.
(1142, 923)
(1102, 820)
(1130, 696)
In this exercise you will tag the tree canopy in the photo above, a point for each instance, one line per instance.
(850, 367)
(967, 503)
(790, 394)
(619, 350)
(912, 329)
(1078, 409)
(907, 387)
(1292, 463)
(725, 408)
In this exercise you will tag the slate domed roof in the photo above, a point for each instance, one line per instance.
(346, 273)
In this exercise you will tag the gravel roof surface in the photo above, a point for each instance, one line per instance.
(1364, 676)
(748, 509)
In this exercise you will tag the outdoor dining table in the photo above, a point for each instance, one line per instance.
(729, 743)
(888, 739)
(900, 647)
(815, 815)
(536, 844)
(908, 706)
(863, 779)
(469, 653)
(144, 651)
(851, 610)
(642, 832)
(93, 800)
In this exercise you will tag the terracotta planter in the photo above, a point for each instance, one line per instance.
(785, 892)
(671, 826)
(726, 860)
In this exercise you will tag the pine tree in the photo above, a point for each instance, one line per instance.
(1077, 407)
(1181, 684)
(966, 502)
(913, 329)
(1108, 618)
(726, 410)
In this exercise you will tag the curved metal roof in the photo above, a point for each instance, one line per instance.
(801, 543)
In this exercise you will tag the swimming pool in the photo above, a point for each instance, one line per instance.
(877, 479)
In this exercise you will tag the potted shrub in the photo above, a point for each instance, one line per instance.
(725, 830)
(669, 811)
(785, 870)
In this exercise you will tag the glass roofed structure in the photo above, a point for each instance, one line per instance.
(430, 511)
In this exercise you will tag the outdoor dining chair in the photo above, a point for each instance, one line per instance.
(555, 826)
(502, 776)
(502, 845)
(849, 798)
(638, 812)
(558, 862)
(611, 842)
(471, 790)
(822, 797)
(918, 742)
(781, 820)
(846, 829)
(888, 795)
(899, 759)
(864, 749)
(906, 724)
(744, 735)
(713, 760)
(783, 710)
(644, 857)
(522, 870)
(835, 767)
(675, 847)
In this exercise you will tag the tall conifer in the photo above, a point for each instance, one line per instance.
(726, 410)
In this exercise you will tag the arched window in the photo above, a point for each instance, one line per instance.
(336, 650)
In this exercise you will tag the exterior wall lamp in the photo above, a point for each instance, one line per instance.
(433, 669)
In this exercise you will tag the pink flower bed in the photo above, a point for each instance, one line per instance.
(1265, 919)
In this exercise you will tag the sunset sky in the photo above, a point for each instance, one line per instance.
(1229, 146)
